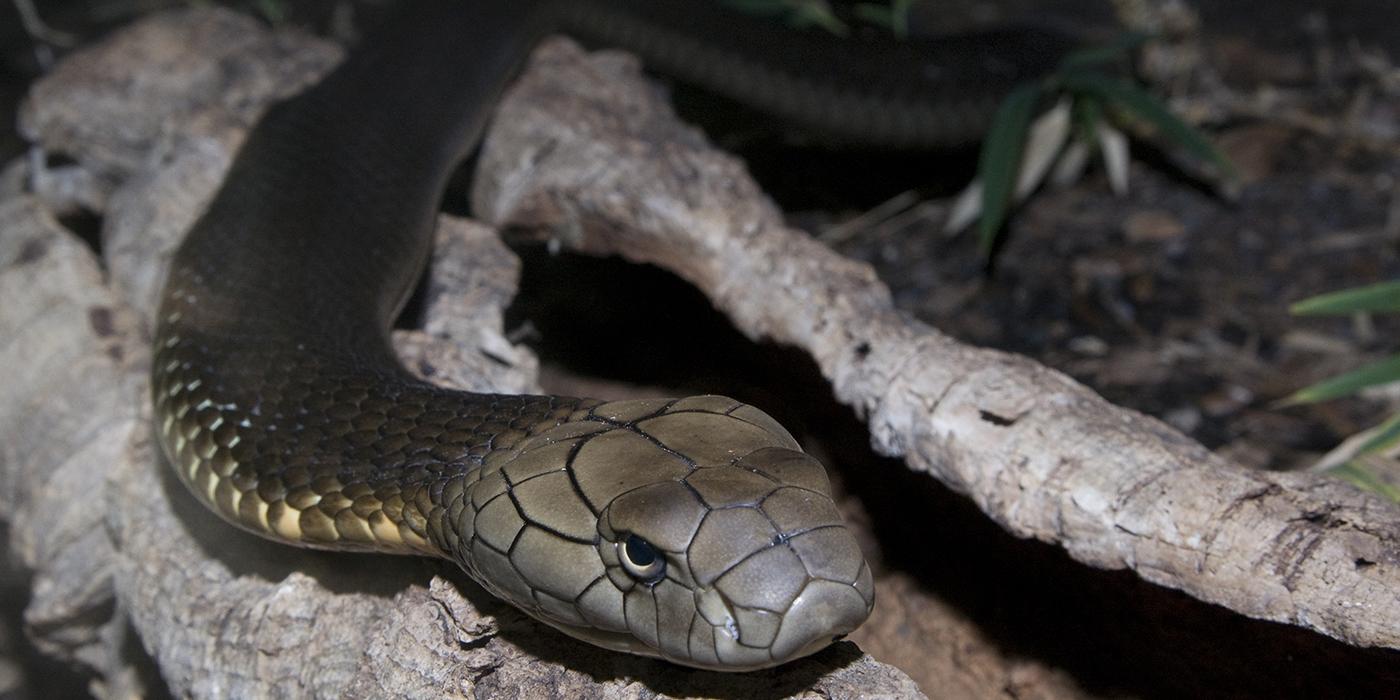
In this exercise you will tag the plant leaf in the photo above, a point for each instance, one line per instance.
(1114, 147)
(1070, 167)
(1384, 297)
(1363, 478)
(1088, 113)
(1045, 139)
(808, 14)
(1384, 436)
(1382, 372)
(1000, 158)
(1135, 100)
(967, 206)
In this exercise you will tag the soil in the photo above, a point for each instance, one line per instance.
(1171, 299)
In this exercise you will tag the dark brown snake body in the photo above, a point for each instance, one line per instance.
(695, 529)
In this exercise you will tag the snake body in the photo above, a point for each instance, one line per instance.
(694, 529)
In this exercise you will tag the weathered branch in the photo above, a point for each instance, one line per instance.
(156, 112)
(581, 145)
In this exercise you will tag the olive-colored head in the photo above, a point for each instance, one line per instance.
(693, 530)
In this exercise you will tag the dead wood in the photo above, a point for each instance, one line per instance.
(583, 147)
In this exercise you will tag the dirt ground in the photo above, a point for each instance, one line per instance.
(1171, 300)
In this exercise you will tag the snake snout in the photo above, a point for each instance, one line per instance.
(778, 574)
(791, 596)
(823, 612)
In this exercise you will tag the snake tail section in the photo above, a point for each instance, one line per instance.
(869, 89)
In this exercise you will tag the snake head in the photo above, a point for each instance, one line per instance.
(694, 530)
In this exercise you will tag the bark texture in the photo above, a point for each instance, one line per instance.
(585, 147)
(582, 146)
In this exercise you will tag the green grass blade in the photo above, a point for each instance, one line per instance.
(818, 14)
(1385, 435)
(899, 17)
(1088, 112)
(1383, 372)
(1000, 159)
(1383, 297)
(1137, 101)
(1363, 478)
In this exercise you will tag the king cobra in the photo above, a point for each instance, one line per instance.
(694, 530)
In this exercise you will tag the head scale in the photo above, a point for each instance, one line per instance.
(694, 530)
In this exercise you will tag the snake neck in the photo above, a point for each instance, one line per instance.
(330, 260)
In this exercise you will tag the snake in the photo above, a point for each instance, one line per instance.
(694, 530)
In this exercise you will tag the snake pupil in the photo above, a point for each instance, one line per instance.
(639, 551)
(641, 561)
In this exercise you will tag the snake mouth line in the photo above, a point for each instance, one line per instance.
(625, 642)
(727, 627)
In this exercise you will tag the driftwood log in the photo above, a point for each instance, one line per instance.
(585, 148)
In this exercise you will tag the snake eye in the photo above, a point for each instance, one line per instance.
(641, 560)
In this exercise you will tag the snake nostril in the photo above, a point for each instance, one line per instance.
(826, 610)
